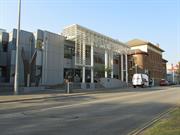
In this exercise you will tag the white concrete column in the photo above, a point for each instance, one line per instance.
(83, 59)
(126, 59)
(106, 62)
(122, 69)
(112, 58)
(92, 64)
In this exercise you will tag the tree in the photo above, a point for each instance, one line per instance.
(178, 71)
(108, 70)
(100, 69)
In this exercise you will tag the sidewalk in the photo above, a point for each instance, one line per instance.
(9, 97)
(54, 93)
(38, 95)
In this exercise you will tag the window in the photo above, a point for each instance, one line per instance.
(99, 59)
(5, 46)
(115, 61)
(88, 51)
(68, 52)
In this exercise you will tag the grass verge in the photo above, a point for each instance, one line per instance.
(169, 125)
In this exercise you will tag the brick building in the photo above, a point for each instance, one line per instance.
(146, 57)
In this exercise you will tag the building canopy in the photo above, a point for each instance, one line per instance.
(84, 36)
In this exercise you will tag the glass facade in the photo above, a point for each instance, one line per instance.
(68, 51)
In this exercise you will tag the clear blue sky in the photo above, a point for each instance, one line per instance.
(154, 20)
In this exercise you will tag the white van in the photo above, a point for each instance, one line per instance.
(140, 80)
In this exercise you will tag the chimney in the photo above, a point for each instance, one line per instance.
(157, 45)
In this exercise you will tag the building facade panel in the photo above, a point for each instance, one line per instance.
(4, 37)
(53, 59)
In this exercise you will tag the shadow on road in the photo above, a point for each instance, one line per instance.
(113, 118)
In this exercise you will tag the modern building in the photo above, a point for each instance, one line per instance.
(78, 55)
(97, 55)
(147, 58)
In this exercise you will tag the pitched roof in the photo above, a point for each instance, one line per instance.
(135, 42)
(137, 51)
(139, 42)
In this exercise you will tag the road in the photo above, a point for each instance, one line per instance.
(112, 112)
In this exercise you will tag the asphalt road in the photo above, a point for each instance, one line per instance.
(116, 112)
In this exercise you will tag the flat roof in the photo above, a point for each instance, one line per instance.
(96, 33)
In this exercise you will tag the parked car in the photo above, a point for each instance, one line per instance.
(141, 80)
(171, 83)
(163, 82)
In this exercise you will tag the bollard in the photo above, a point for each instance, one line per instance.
(28, 80)
(67, 88)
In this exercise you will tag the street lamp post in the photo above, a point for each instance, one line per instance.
(16, 79)
(136, 68)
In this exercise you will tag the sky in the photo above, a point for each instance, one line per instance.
(157, 21)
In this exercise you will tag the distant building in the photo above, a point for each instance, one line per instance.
(2, 30)
(147, 58)
(172, 75)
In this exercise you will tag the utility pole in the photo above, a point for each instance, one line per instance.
(16, 78)
(172, 72)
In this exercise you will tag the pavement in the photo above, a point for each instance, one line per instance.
(10, 97)
(107, 112)
(50, 93)
(47, 93)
